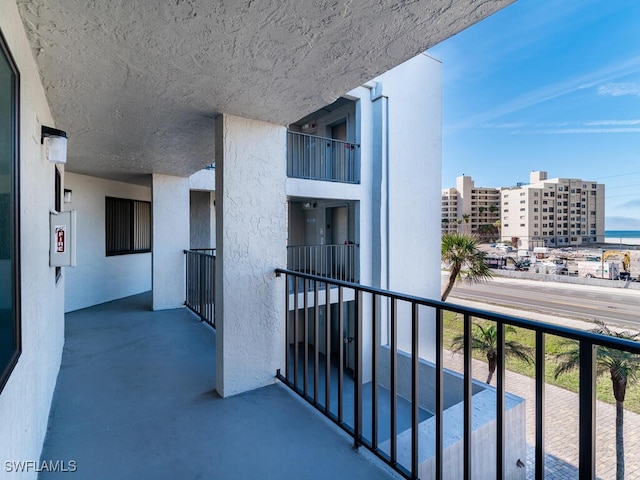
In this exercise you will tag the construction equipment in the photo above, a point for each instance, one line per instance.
(520, 265)
(626, 259)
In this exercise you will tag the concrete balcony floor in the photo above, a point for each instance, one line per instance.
(135, 398)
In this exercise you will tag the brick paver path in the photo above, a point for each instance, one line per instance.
(562, 428)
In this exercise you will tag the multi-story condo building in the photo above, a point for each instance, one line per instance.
(468, 208)
(553, 212)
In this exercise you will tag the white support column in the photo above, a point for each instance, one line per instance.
(251, 234)
(170, 238)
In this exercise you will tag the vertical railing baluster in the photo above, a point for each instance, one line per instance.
(439, 381)
(316, 349)
(357, 400)
(415, 389)
(374, 371)
(587, 411)
(540, 403)
(340, 355)
(393, 382)
(305, 329)
(296, 319)
(207, 289)
(287, 328)
(327, 348)
(468, 388)
(500, 405)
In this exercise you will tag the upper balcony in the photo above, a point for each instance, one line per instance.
(320, 158)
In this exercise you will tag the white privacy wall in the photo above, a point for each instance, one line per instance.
(98, 278)
(170, 239)
(26, 397)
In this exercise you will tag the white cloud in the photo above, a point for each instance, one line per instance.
(556, 90)
(602, 123)
(574, 131)
(620, 89)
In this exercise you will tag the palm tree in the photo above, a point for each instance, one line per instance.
(498, 225)
(461, 251)
(485, 339)
(623, 367)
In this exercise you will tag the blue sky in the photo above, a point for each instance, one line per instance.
(547, 85)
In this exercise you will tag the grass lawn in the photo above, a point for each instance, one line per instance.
(554, 346)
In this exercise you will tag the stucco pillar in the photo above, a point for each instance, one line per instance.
(251, 243)
(170, 203)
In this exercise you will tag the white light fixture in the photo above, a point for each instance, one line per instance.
(67, 196)
(56, 144)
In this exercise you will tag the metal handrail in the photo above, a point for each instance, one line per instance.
(200, 284)
(320, 158)
(302, 307)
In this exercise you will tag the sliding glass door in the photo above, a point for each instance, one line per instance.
(9, 221)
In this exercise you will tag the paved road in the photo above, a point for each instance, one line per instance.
(613, 306)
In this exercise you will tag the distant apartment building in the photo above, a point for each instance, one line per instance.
(553, 212)
(471, 209)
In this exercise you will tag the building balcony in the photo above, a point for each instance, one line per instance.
(337, 262)
(319, 158)
(135, 397)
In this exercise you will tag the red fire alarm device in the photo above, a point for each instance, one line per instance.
(62, 252)
(60, 229)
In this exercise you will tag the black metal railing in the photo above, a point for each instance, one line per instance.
(210, 251)
(320, 158)
(201, 282)
(348, 351)
(340, 262)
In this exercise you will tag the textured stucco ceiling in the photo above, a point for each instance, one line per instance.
(137, 84)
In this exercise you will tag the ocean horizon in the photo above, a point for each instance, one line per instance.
(622, 233)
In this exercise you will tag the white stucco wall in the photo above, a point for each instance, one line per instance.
(251, 239)
(26, 397)
(414, 92)
(98, 278)
(407, 115)
(170, 239)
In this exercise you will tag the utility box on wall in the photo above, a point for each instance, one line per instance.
(62, 243)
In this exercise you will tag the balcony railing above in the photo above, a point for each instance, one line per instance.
(338, 262)
(320, 158)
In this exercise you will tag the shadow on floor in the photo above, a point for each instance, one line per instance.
(135, 398)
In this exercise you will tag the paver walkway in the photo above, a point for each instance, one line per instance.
(562, 428)
(561, 420)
